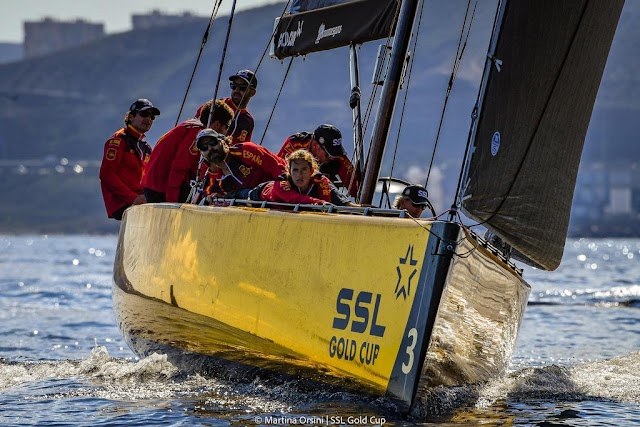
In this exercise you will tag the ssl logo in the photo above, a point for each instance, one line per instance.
(362, 315)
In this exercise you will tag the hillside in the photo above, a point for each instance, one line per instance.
(67, 104)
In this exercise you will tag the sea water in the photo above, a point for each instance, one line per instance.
(63, 361)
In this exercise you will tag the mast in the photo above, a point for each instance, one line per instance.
(354, 101)
(386, 105)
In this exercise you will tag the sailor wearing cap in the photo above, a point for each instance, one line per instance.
(231, 168)
(414, 199)
(125, 155)
(244, 85)
(175, 157)
(325, 143)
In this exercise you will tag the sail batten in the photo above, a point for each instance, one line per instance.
(533, 121)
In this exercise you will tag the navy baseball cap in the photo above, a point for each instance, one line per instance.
(417, 194)
(330, 138)
(143, 104)
(246, 75)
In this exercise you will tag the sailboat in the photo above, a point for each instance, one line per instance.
(361, 297)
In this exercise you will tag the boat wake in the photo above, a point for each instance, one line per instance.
(614, 379)
(154, 378)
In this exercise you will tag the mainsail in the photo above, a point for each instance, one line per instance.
(327, 24)
(546, 70)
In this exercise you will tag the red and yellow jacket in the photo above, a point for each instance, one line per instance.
(125, 155)
(340, 166)
(241, 129)
(174, 160)
(250, 165)
(283, 190)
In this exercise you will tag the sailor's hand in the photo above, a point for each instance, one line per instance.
(139, 200)
(214, 200)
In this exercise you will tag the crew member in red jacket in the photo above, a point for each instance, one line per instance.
(243, 87)
(325, 143)
(242, 165)
(174, 160)
(303, 184)
(125, 155)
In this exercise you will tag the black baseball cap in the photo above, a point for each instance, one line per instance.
(246, 75)
(143, 104)
(417, 194)
(330, 138)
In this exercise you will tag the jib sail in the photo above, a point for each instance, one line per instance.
(548, 63)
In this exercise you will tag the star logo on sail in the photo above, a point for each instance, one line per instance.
(403, 287)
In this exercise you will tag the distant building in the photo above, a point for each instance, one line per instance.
(157, 19)
(607, 199)
(49, 35)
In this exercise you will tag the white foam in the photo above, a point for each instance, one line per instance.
(617, 379)
(614, 379)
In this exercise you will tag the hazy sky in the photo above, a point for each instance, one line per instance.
(115, 14)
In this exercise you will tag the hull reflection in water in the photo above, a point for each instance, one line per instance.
(385, 306)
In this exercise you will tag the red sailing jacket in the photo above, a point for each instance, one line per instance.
(241, 129)
(250, 165)
(174, 160)
(125, 155)
(340, 166)
(282, 190)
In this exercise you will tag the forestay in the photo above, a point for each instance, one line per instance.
(318, 25)
(540, 91)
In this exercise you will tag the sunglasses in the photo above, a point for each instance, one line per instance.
(235, 86)
(204, 144)
(421, 207)
(146, 114)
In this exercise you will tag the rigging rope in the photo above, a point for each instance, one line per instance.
(457, 202)
(454, 72)
(257, 67)
(284, 79)
(224, 55)
(205, 37)
(197, 183)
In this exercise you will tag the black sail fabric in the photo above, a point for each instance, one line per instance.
(304, 5)
(337, 25)
(533, 121)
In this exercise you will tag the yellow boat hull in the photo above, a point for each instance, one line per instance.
(338, 298)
